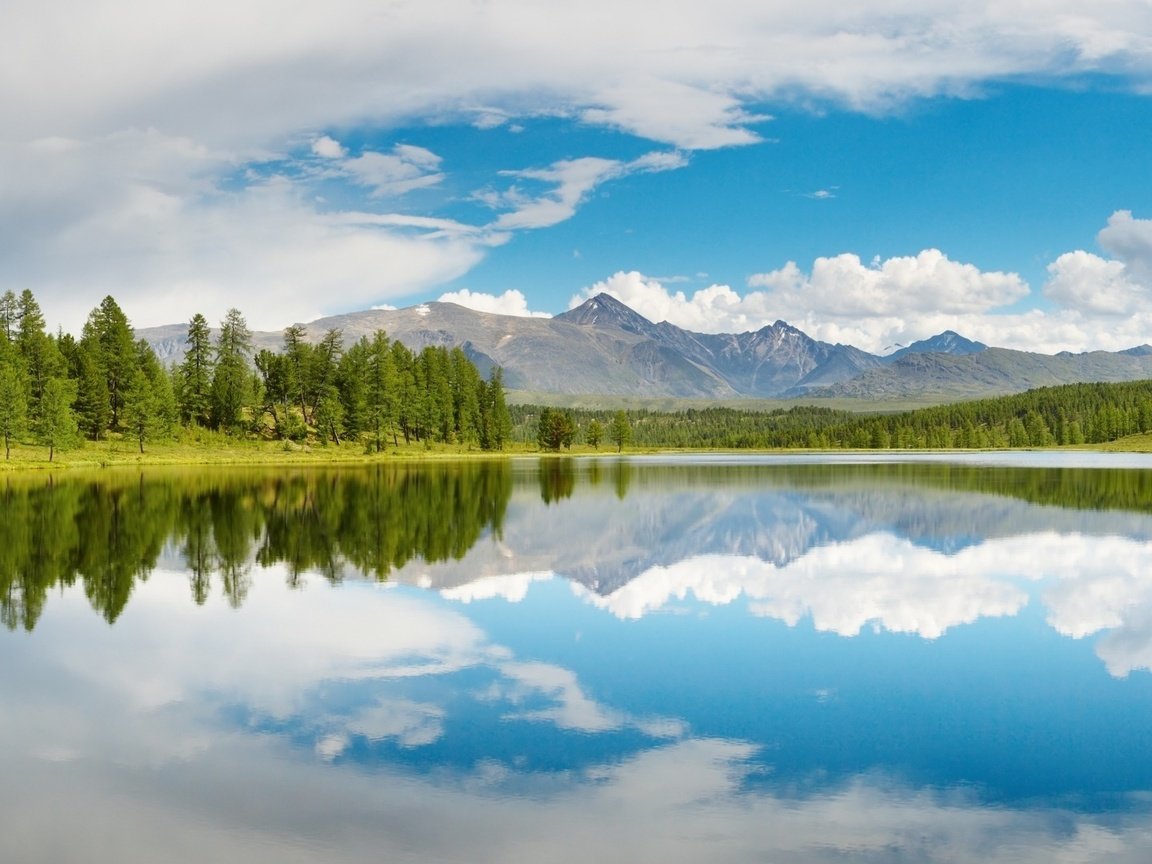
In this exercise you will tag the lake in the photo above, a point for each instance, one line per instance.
(700, 658)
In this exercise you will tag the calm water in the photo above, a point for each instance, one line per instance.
(700, 659)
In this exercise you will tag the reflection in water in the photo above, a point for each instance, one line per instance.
(107, 533)
(966, 720)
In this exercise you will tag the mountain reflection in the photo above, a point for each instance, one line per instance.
(399, 723)
(916, 548)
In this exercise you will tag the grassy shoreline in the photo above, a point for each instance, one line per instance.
(112, 453)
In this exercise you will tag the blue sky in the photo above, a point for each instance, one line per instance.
(872, 173)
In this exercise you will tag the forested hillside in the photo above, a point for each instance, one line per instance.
(1069, 414)
(56, 390)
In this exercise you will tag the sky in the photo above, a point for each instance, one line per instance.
(872, 172)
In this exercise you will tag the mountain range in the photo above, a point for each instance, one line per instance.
(603, 347)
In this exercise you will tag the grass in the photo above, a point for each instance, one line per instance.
(214, 449)
(221, 450)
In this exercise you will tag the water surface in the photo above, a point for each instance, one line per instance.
(645, 660)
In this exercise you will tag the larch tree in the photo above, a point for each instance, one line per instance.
(195, 373)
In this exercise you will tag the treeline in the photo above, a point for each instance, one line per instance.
(109, 535)
(58, 389)
(1047, 416)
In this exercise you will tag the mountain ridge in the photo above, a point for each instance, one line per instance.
(604, 347)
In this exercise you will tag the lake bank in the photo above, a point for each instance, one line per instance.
(227, 451)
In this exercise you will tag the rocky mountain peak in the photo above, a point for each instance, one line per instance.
(604, 310)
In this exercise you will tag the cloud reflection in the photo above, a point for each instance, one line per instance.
(155, 771)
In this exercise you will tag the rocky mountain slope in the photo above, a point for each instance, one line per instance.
(605, 348)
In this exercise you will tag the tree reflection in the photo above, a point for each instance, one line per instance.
(111, 532)
(108, 532)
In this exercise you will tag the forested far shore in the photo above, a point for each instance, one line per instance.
(1070, 414)
(57, 390)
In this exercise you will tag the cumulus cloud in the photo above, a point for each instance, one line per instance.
(842, 299)
(1120, 286)
(926, 282)
(328, 148)
(511, 302)
(1098, 303)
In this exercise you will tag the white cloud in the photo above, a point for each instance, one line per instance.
(141, 216)
(686, 76)
(510, 588)
(572, 181)
(1101, 303)
(842, 300)
(927, 282)
(392, 174)
(1120, 286)
(511, 302)
(328, 148)
(126, 124)
(1093, 285)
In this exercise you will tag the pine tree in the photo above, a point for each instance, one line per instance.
(231, 380)
(620, 432)
(380, 390)
(13, 407)
(195, 374)
(9, 316)
(140, 412)
(41, 359)
(594, 434)
(56, 426)
(93, 406)
(110, 335)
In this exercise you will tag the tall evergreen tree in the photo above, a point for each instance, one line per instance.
(351, 383)
(166, 413)
(195, 374)
(110, 334)
(231, 380)
(380, 390)
(297, 355)
(56, 426)
(620, 432)
(9, 316)
(41, 359)
(93, 404)
(13, 407)
(140, 412)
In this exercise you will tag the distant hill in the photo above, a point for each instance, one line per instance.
(994, 371)
(604, 347)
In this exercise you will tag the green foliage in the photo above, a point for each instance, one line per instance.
(620, 431)
(1066, 415)
(108, 340)
(231, 381)
(196, 373)
(13, 406)
(56, 426)
(40, 358)
(109, 534)
(594, 434)
(555, 429)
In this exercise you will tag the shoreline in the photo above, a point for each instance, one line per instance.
(118, 454)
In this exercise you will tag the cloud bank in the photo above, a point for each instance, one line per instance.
(181, 156)
(1095, 302)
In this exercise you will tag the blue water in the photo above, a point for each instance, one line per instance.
(764, 667)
